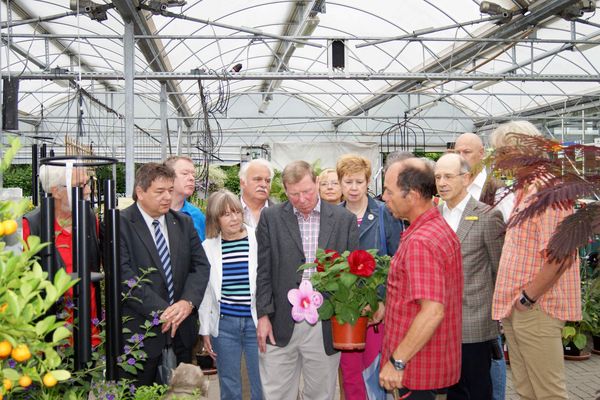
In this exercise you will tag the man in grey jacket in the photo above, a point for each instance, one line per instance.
(288, 235)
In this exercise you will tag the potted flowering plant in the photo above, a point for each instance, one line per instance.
(348, 289)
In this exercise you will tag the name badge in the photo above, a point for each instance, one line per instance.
(471, 218)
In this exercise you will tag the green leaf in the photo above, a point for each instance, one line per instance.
(60, 334)
(580, 340)
(42, 326)
(11, 374)
(61, 374)
(26, 288)
(307, 265)
(51, 296)
(129, 368)
(332, 286)
(347, 279)
(343, 294)
(13, 303)
(53, 360)
(568, 332)
(326, 310)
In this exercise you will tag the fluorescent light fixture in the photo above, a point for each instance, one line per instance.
(310, 25)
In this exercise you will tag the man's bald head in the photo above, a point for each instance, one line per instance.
(470, 147)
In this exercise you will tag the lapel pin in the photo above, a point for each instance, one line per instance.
(371, 217)
(471, 218)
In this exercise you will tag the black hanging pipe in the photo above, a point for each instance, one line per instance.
(93, 192)
(81, 269)
(84, 303)
(34, 175)
(47, 255)
(43, 151)
(114, 345)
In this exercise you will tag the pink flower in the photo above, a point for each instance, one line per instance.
(305, 302)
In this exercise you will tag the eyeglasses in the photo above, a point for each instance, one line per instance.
(447, 177)
(82, 185)
(329, 183)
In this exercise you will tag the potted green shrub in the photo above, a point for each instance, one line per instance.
(351, 285)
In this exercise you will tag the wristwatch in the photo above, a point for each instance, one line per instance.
(190, 303)
(399, 365)
(526, 300)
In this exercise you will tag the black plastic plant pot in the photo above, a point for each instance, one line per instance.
(596, 341)
(571, 350)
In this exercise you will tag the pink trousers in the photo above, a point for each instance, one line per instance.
(354, 362)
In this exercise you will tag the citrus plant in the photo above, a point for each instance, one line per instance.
(30, 333)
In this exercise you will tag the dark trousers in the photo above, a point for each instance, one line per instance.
(416, 394)
(149, 372)
(475, 381)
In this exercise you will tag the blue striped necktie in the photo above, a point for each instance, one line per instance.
(165, 259)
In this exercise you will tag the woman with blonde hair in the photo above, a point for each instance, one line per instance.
(329, 186)
(228, 310)
(378, 229)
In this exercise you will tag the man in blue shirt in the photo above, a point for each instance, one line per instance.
(185, 184)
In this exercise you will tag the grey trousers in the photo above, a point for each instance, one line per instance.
(281, 367)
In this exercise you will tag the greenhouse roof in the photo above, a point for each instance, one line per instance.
(310, 70)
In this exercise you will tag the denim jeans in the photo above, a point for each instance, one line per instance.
(498, 372)
(236, 336)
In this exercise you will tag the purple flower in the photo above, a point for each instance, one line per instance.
(12, 363)
(120, 359)
(69, 303)
(95, 321)
(131, 361)
(155, 321)
(132, 388)
(131, 282)
(127, 349)
(110, 397)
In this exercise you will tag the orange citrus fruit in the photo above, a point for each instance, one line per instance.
(5, 349)
(21, 353)
(10, 226)
(25, 381)
(49, 380)
(7, 384)
(1, 229)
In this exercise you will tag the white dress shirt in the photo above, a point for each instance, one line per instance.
(505, 206)
(454, 215)
(162, 221)
(248, 215)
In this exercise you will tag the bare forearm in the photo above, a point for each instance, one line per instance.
(545, 279)
(421, 330)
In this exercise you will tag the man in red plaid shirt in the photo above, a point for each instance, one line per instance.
(423, 315)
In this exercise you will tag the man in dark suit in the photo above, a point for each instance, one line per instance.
(153, 236)
(481, 233)
(288, 235)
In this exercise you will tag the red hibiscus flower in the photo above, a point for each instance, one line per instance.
(361, 263)
(330, 256)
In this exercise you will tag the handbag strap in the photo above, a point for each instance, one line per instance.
(382, 238)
